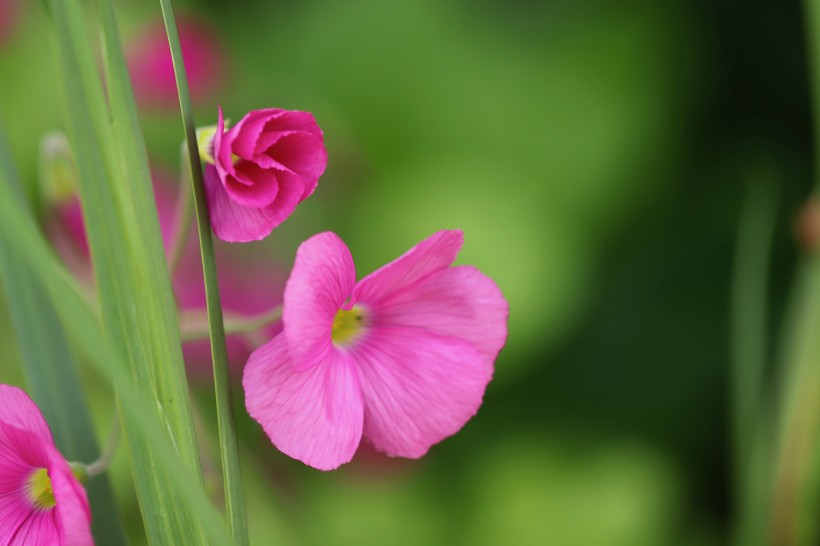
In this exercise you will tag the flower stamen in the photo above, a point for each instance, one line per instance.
(348, 325)
(39, 489)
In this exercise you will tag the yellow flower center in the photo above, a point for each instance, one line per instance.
(39, 489)
(347, 325)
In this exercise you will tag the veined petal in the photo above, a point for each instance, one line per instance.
(322, 279)
(419, 388)
(231, 221)
(432, 254)
(39, 528)
(459, 302)
(22, 452)
(18, 410)
(314, 416)
(72, 513)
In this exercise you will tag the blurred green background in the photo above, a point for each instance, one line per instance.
(594, 152)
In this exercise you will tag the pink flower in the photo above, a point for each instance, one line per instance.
(400, 358)
(41, 502)
(152, 71)
(263, 167)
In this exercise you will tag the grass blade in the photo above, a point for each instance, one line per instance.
(137, 305)
(228, 445)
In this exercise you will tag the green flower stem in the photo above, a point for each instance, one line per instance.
(228, 445)
(194, 325)
(100, 465)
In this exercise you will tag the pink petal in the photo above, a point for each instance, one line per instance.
(303, 153)
(38, 529)
(418, 387)
(252, 186)
(18, 410)
(243, 137)
(432, 254)
(22, 452)
(322, 278)
(290, 120)
(314, 416)
(231, 221)
(459, 302)
(73, 515)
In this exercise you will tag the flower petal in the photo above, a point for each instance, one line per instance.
(251, 185)
(322, 279)
(432, 254)
(73, 515)
(459, 302)
(37, 529)
(22, 452)
(18, 410)
(231, 221)
(242, 137)
(314, 416)
(418, 387)
(301, 152)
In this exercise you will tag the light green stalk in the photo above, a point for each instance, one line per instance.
(228, 445)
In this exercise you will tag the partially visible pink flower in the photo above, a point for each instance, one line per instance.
(152, 71)
(400, 358)
(263, 167)
(41, 502)
(8, 17)
(246, 287)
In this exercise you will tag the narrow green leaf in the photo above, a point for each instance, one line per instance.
(751, 424)
(51, 374)
(19, 233)
(137, 305)
(228, 445)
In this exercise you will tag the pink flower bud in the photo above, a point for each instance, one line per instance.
(263, 167)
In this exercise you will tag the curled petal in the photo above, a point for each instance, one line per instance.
(231, 221)
(314, 416)
(432, 254)
(418, 387)
(251, 185)
(459, 302)
(322, 279)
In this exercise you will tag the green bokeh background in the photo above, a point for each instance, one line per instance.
(594, 153)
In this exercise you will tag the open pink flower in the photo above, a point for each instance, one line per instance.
(263, 167)
(41, 502)
(400, 358)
